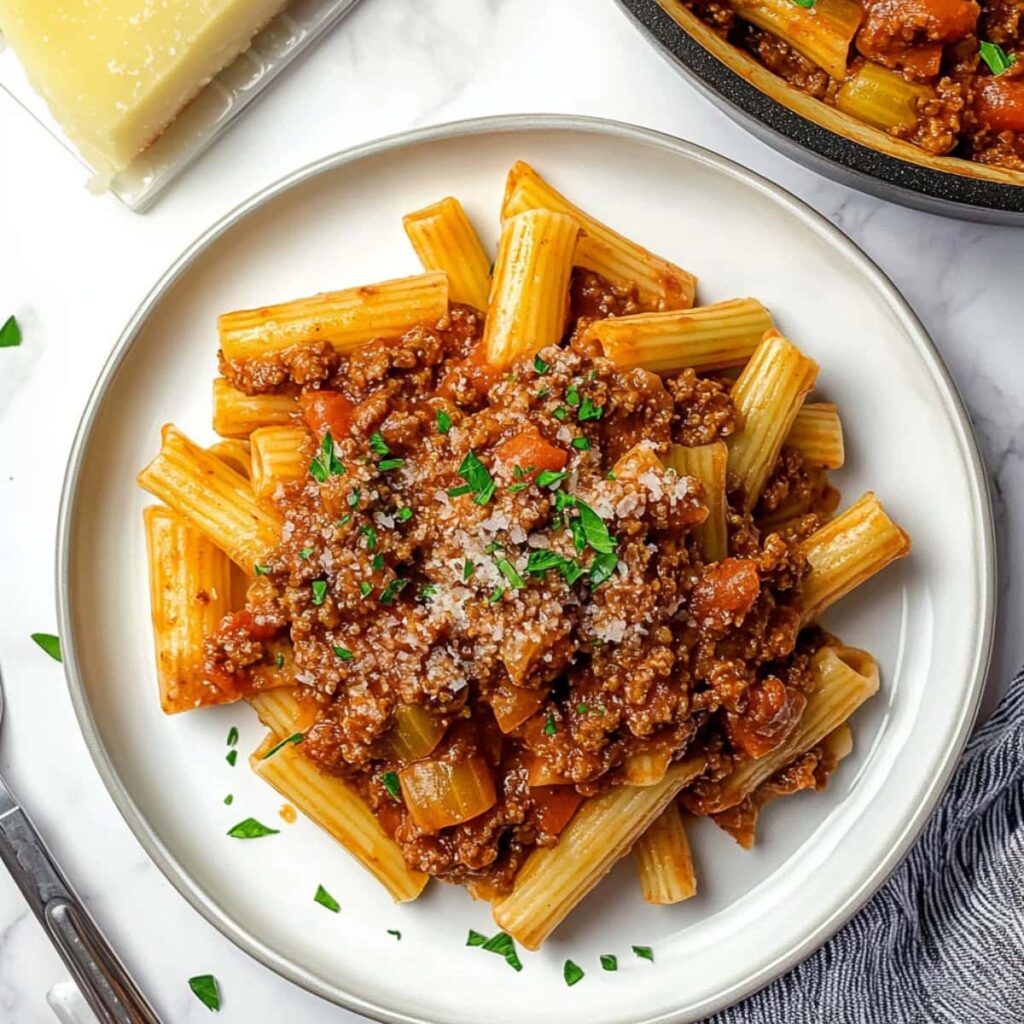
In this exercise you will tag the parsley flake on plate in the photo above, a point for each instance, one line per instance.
(325, 899)
(644, 952)
(250, 828)
(609, 961)
(204, 988)
(572, 973)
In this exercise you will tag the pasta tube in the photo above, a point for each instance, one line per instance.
(235, 453)
(279, 455)
(767, 394)
(190, 592)
(445, 240)
(341, 812)
(664, 863)
(821, 32)
(554, 879)
(660, 284)
(844, 553)
(817, 434)
(236, 414)
(707, 463)
(346, 319)
(705, 338)
(529, 300)
(844, 678)
(214, 498)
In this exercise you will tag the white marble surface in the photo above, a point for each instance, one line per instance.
(73, 267)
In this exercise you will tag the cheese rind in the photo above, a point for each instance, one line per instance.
(115, 73)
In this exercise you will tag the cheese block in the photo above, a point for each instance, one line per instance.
(115, 73)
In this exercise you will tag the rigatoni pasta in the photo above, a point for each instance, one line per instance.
(703, 338)
(511, 571)
(445, 240)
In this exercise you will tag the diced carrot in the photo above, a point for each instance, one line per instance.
(772, 712)
(539, 773)
(999, 104)
(475, 369)
(725, 592)
(554, 806)
(327, 411)
(529, 450)
(244, 621)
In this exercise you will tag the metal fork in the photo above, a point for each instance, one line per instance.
(103, 980)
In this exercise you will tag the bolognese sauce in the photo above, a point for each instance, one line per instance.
(493, 592)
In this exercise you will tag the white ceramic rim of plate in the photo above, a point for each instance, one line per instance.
(985, 597)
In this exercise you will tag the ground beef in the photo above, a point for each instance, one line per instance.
(507, 549)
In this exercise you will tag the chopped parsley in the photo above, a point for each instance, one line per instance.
(365, 589)
(644, 952)
(551, 478)
(477, 477)
(468, 568)
(229, 800)
(10, 333)
(610, 475)
(344, 653)
(805, 4)
(345, 520)
(560, 413)
(508, 570)
(279, 660)
(427, 591)
(601, 569)
(589, 411)
(49, 643)
(444, 422)
(595, 530)
(404, 514)
(572, 396)
(397, 934)
(549, 724)
(232, 758)
(305, 552)
(540, 366)
(504, 946)
(572, 973)
(543, 393)
(325, 899)
(378, 563)
(542, 560)
(353, 497)
(475, 938)
(296, 737)
(204, 988)
(378, 445)
(495, 595)
(392, 590)
(581, 444)
(997, 59)
(522, 471)
(516, 488)
(319, 588)
(389, 780)
(250, 828)
(609, 961)
(494, 546)
(582, 709)
(261, 570)
(387, 464)
(371, 537)
(457, 492)
(326, 462)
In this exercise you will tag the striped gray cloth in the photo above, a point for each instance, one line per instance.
(942, 942)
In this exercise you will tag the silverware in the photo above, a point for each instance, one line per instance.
(103, 980)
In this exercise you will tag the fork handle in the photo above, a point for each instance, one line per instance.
(102, 979)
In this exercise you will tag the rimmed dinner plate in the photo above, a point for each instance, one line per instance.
(928, 619)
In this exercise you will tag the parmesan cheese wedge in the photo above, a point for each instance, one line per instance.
(116, 73)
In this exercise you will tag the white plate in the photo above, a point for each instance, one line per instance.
(818, 858)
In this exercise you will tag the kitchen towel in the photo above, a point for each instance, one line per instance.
(942, 942)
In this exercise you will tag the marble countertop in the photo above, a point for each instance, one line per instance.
(74, 266)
